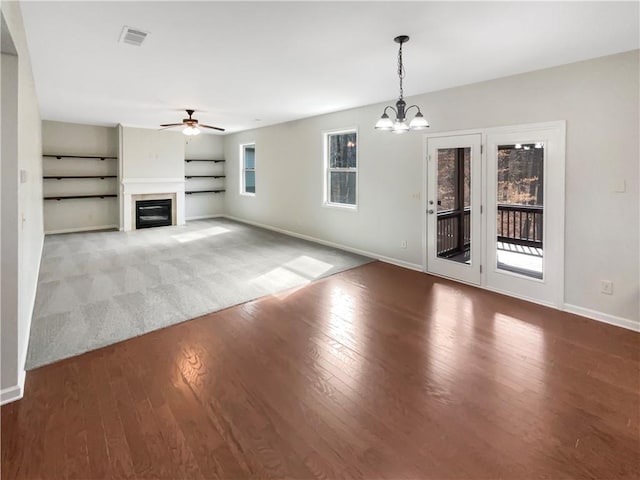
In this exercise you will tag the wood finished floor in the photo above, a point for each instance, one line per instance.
(377, 372)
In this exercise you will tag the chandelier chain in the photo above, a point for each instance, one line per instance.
(400, 70)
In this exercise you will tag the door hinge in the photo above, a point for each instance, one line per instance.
(481, 209)
(481, 149)
(480, 268)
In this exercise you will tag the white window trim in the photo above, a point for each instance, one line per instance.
(327, 171)
(243, 170)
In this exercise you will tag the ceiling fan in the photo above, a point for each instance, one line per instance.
(192, 126)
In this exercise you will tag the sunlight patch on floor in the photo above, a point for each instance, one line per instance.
(301, 269)
(308, 266)
(280, 277)
(200, 234)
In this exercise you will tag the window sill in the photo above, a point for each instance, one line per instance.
(341, 206)
(247, 194)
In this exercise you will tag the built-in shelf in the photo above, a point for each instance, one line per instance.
(201, 160)
(205, 176)
(60, 177)
(203, 191)
(93, 157)
(67, 197)
(204, 183)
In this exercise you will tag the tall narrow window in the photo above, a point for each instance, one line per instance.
(341, 168)
(248, 166)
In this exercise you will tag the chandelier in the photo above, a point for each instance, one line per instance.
(399, 125)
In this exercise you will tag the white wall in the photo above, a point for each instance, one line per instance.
(30, 227)
(598, 98)
(204, 146)
(150, 153)
(60, 138)
(10, 220)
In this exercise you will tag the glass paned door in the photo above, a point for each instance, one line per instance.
(525, 212)
(454, 189)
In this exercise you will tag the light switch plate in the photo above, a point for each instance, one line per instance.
(619, 185)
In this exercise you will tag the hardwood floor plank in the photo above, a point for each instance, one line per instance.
(252, 424)
(75, 433)
(27, 453)
(120, 463)
(97, 450)
(377, 372)
(54, 431)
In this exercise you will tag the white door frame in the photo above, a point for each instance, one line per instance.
(556, 175)
(468, 273)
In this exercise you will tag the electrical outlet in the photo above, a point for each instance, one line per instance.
(403, 244)
(606, 287)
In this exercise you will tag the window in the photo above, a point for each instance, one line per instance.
(248, 166)
(341, 168)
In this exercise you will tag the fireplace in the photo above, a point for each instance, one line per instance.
(153, 213)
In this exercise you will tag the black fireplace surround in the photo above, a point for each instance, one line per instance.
(153, 213)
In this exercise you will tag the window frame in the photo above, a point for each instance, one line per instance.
(243, 169)
(327, 170)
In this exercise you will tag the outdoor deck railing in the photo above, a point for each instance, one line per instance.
(520, 224)
(517, 224)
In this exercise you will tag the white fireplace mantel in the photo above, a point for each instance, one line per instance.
(158, 187)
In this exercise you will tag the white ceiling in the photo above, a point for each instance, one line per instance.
(236, 62)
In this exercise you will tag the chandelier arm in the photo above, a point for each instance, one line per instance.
(410, 107)
(387, 107)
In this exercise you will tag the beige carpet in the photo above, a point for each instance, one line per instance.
(98, 288)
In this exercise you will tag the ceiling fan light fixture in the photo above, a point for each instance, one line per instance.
(191, 131)
(190, 126)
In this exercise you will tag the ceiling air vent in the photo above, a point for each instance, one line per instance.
(132, 36)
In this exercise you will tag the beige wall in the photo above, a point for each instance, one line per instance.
(204, 146)
(59, 138)
(598, 98)
(75, 139)
(15, 329)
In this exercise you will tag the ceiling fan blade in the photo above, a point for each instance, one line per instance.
(209, 126)
(167, 125)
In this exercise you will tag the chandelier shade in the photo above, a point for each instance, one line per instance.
(399, 124)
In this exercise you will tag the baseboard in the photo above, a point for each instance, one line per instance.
(15, 392)
(382, 258)
(11, 394)
(204, 217)
(82, 229)
(519, 297)
(603, 317)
